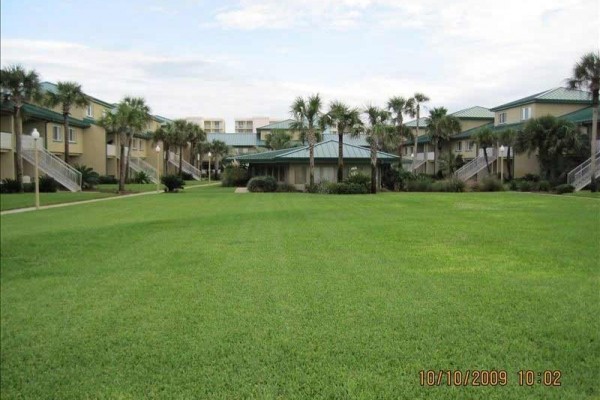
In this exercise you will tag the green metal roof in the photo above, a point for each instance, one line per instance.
(277, 125)
(234, 139)
(327, 150)
(580, 116)
(52, 87)
(51, 116)
(558, 95)
(476, 112)
(356, 141)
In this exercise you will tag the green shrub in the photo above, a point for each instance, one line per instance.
(141, 177)
(421, 183)
(262, 184)
(9, 186)
(172, 182)
(89, 177)
(29, 187)
(359, 179)
(490, 184)
(565, 188)
(107, 179)
(544, 186)
(234, 176)
(531, 177)
(513, 185)
(286, 187)
(187, 176)
(346, 188)
(48, 184)
(449, 185)
(525, 186)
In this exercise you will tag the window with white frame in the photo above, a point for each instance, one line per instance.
(90, 110)
(72, 136)
(470, 145)
(57, 133)
(502, 118)
(525, 113)
(458, 146)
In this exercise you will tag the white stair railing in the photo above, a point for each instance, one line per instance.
(185, 166)
(414, 166)
(139, 165)
(62, 172)
(474, 166)
(581, 176)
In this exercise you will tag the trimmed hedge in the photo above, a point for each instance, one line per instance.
(490, 184)
(449, 185)
(234, 176)
(262, 184)
(172, 182)
(565, 188)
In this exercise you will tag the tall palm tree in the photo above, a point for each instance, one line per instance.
(137, 119)
(376, 130)
(586, 74)
(441, 127)
(219, 149)
(19, 86)
(398, 106)
(202, 147)
(196, 135)
(67, 95)
(485, 139)
(165, 134)
(308, 112)
(116, 121)
(346, 120)
(414, 110)
(508, 138)
(181, 133)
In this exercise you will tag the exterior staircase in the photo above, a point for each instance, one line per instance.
(414, 166)
(471, 168)
(48, 163)
(185, 166)
(581, 176)
(139, 165)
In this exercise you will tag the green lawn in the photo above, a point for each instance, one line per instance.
(23, 200)
(586, 193)
(142, 187)
(210, 294)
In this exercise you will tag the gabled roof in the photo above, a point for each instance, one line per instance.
(558, 95)
(234, 139)
(326, 150)
(52, 87)
(277, 125)
(582, 116)
(44, 114)
(475, 112)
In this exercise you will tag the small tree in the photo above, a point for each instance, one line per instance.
(218, 149)
(508, 138)
(485, 139)
(376, 131)
(279, 139)
(307, 113)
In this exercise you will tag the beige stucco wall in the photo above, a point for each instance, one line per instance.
(7, 165)
(58, 147)
(525, 164)
(94, 149)
(467, 124)
(6, 123)
(513, 115)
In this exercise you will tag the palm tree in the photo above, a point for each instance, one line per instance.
(308, 112)
(484, 138)
(166, 135)
(279, 139)
(116, 122)
(586, 73)
(218, 150)
(346, 120)
(441, 127)
(180, 135)
(413, 108)
(137, 119)
(554, 139)
(201, 148)
(67, 95)
(508, 138)
(19, 86)
(196, 135)
(398, 106)
(376, 131)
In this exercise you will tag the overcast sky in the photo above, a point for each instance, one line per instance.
(243, 58)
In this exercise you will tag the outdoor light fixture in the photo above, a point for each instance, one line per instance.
(157, 149)
(502, 164)
(209, 156)
(36, 135)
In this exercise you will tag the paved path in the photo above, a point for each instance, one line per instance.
(76, 203)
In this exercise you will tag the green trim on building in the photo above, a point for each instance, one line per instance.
(44, 114)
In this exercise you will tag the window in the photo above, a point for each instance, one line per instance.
(470, 145)
(525, 113)
(72, 136)
(57, 133)
(459, 146)
(502, 118)
(90, 110)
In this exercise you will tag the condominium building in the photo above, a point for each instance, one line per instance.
(249, 125)
(209, 125)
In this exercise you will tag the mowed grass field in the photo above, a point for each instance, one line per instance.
(210, 294)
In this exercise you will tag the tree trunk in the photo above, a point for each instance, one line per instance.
(180, 160)
(66, 135)
(122, 165)
(417, 142)
(595, 106)
(373, 169)
(166, 160)
(311, 154)
(434, 159)
(340, 174)
(508, 164)
(18, 129)
(487, 164)
(450, 160)
(129, 143)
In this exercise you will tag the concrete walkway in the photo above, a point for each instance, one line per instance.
(76, 203)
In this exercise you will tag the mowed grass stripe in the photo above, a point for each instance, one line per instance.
(213, 294)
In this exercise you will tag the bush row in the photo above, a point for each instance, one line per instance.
(47, 185)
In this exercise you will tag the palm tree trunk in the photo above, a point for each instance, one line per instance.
(595, 102)
(180, 160)
(166, 160)
(450, 161)
(129, 143)
(340, 174)
(66, 134)
(18, 129)
(122, 167)
(373, 169)
(311, 154)
(508, 164)
(434, 159)
(487, 164)
(416, 143)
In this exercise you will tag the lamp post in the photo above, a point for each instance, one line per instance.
(36, 135)
(209, 156)
(501, 164)
(157, 149)
(198, 164)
